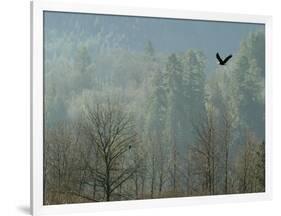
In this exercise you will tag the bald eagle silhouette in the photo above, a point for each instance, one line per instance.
(223, 62)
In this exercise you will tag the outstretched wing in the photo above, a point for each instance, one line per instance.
(219, 58)
(227, 58)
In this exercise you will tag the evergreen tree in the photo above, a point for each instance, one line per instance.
(193, 90)
(149, 50)
(250, 96)
(157, 104)
(175, 113)
(155, 130)
(254, 48)
(175, 100)
(84, 69)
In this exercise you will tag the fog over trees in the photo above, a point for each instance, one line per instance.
(125, 122)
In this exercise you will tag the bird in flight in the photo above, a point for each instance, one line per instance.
(222, 62)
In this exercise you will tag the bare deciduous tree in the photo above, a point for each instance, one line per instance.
(249, 173)
(206, 150)
(228, 119)
(112, 133)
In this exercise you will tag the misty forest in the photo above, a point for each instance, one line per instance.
(138, 108)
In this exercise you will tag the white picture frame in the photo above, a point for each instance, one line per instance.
(37, 9)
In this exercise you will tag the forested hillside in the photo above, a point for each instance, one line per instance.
(130, 121)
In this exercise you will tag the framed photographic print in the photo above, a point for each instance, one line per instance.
(137, 108)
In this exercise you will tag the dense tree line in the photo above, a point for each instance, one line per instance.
(123, 125)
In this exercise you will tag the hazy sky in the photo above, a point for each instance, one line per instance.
(166, 35)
